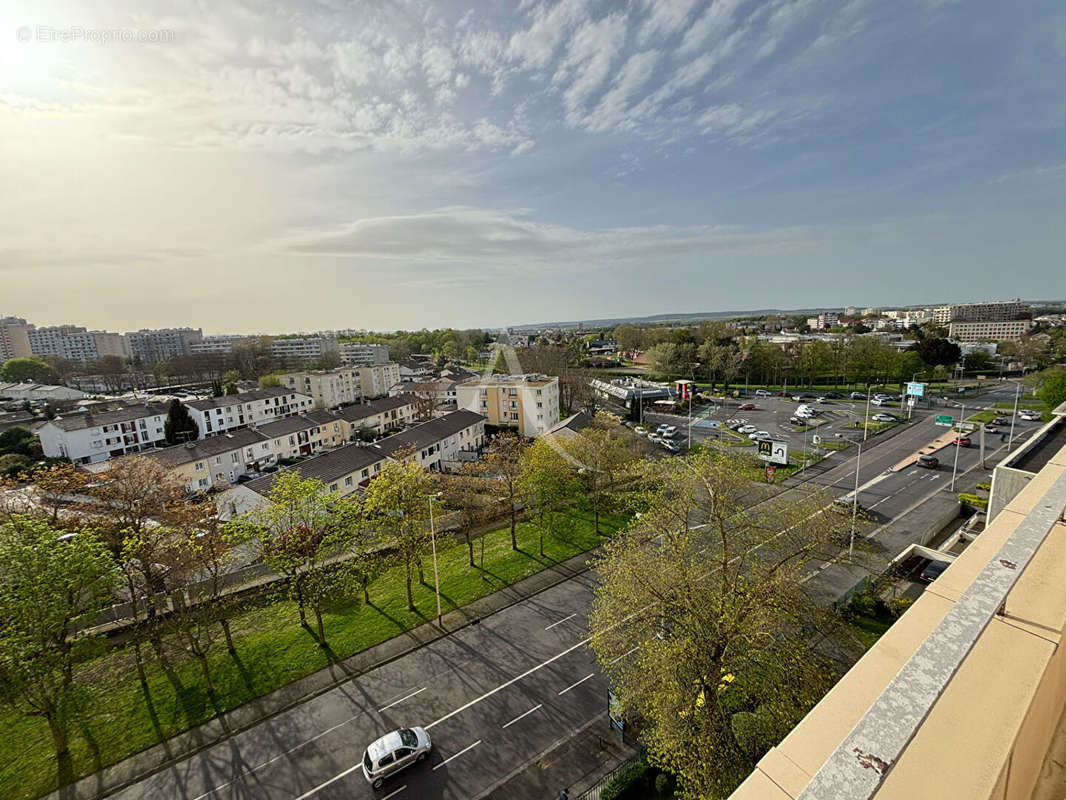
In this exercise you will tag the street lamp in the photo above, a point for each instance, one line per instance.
(958, 436)
(854, 495)
(433, 541)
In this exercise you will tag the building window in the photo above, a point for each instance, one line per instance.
(365, 473)
(199, 466)
(348, 481)
(333, 487)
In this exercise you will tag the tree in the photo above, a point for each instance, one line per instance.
(45, 585)
(472, 497)
(503, 461)
(229, 382)
(603, 451)
(397, 501)
(20, 441)
(269, 381)
(978, 360)
(628, 337)
(546, 483)
(1053, 388)
(179, 425)
(55, 486)
(937, 351)
(29, 370)
(701, 626)
(301, 528)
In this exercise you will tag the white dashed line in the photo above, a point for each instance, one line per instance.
(449, 758)
(397, 702)
(393, 794)
(520, 716)
(560, 622)
(572, 685)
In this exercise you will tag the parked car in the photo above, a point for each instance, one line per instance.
(1001, 421)
(879, 401)
(857, 396)
(799, 398)
(668, 434)
(655, 438)
(833, 395)
(763, 393)
(759, 435)
(822, 399)
(991, 429)
(641, 430)
(746, 429)
(746, 407)
(796, 421)
(928, 462)
(673, 448)
(1030, 416)
(883, 418)
(963, 441)
(933, 570)
(393, 752)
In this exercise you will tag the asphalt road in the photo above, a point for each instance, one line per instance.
(492, 696)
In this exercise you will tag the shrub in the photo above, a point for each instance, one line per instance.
(630, 781)
(664, 785)
(973, 500)
(985, 486)
(898, 605)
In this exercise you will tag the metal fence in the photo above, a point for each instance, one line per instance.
(593, 793)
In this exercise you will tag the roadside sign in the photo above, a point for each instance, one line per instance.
(816, 439)
(945, 419)
(774, 452)
(916, 389)
(771, 472)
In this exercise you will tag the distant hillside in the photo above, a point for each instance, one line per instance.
(664, 318)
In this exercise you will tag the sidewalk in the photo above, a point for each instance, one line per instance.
(175, 749)
(576, 762)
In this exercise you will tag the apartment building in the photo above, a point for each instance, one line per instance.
(304, 434)
(328, 388)
(1001, 331)
(380, 416)
(437, 394)
(220, 414)
(376, 379)
(438, 444)
(363, 354)
(34, 392)
(529, 403)
(995, 311)
(151, 346)
(216, 462)
(75, 343)
(89, 437)
(302, 347)
(14, 338)
(223, 343)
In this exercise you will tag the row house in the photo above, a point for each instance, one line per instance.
(328, 388)
(217, 415)
(378, 416)
(304, 434)
(438, 444)
(219, 461)
(91, 437)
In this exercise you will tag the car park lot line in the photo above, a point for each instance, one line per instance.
(523, 715)
(560, 622)
(456, 755)
(394, 793)
(572, 685)
(397, 702)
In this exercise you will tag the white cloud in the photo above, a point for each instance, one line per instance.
(535, 46)
(613, 107)
(665, 18)
(592, 50)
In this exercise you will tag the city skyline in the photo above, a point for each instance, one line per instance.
(426, 165)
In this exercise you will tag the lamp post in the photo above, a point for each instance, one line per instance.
(1014, 416)
(958, 436)
(866, 420)
(854, 494)
(433, 541)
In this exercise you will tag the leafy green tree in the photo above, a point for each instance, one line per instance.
(700, 617)
(45, 585)
(937, 351)
(503, 461)
(547, 482)
(979, 361)
(1053, 389)
(20, 441)
(269, 381)
(179, 425)
(603, 451)
(31, 369)
(229, 382)
(301, 529)
(397, 502)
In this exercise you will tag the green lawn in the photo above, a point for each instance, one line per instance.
(833, 445)
(272, 650)
(982, 417)
(869, 628)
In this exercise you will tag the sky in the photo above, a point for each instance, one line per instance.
(287, 166)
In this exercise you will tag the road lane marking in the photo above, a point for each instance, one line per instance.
(334, 779)
(626, 653)
(449, 758)
(572, 685)
(520, 716)
(560, 622)
(393, 794)
(397, 702)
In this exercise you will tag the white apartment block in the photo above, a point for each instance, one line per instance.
(328, 388)
(302, 347)
(216, 344)
(363, 354)
(14, 338)
(1001, 331)
(234, 411)
(151, 346)
(995, 311)
(377, 379)
(90, 437)
(529, 403)
(74, 343)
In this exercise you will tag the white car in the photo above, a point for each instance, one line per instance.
(641, 430)
(883, 418)
(655, 438)
(393, 752)
(746, 429)
(673, 448)
(759, 435)
(879, 401)
(668, 430)
(821, 399)
(763, 393)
